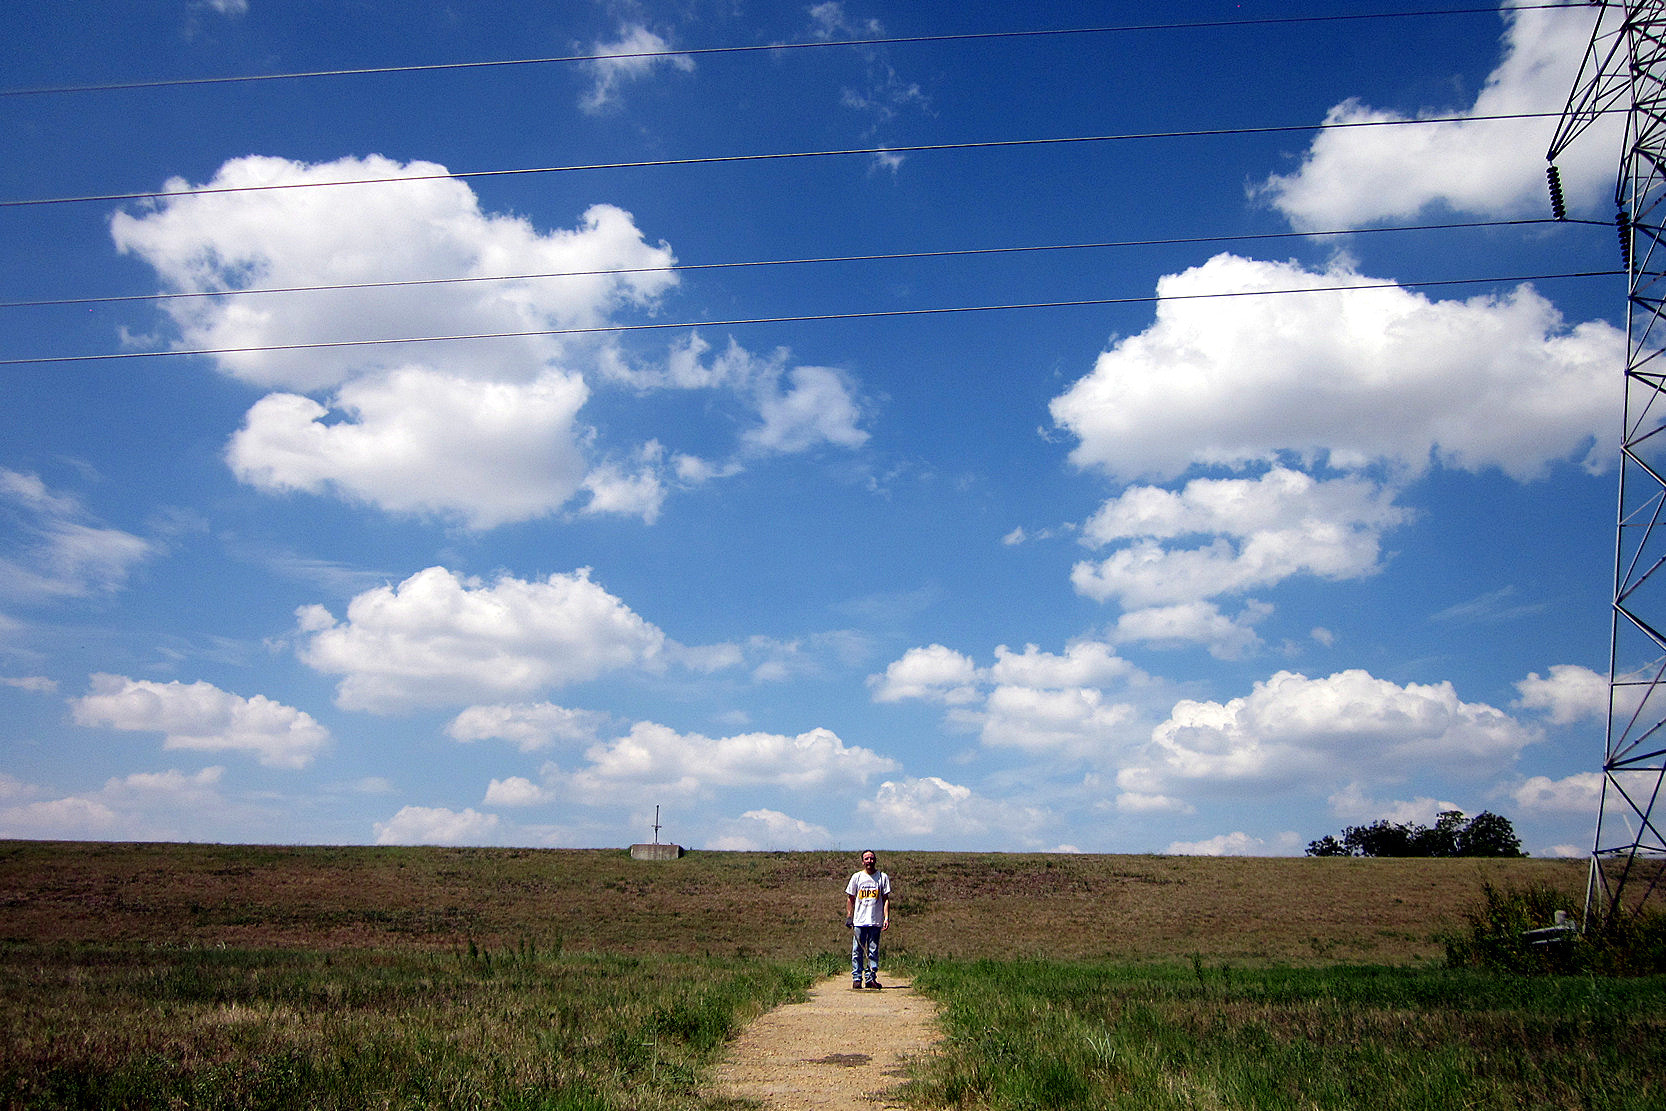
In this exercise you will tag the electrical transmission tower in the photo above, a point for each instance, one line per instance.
(1624, 71)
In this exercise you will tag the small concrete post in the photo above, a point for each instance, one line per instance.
(656, 851)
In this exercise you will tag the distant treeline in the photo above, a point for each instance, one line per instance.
(1486, 834)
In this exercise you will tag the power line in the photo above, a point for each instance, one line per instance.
(722, 159)
(889, 256)
(819, 44)
(881, 314)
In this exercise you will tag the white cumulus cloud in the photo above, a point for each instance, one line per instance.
(1293, 731)
(1068, 704)
(1353, 176)
(792, 408)
(419, 226)
(202, 717)
(143, 806)
(1085, 663)
(1354, 377)
(483, 431)
(932, 810)
(1569, 693)
(437, 825)
(815, 405)
(1225, 636)
(765, 830)
(515, 791)
(440, 638)
(934, 673)
(1077, 720)
(1575, 794)
(530, 726)
(420, 441)
(657, 756)
(1234, 844)
(1266, 529)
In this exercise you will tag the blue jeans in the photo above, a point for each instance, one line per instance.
(864, 942)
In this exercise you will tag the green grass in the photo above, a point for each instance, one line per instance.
(124, 1026)
(1050, 1034)
(223, 976)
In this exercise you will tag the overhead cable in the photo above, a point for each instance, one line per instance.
(680, 267)
(816, 44)
(722, 159)
(880, 314)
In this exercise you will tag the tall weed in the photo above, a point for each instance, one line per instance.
(143, 1027)
(1034, 1034)
(1506, 932)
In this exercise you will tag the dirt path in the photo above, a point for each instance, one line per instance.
(842, 1050)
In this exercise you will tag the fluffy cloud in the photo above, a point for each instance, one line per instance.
(145, 806)
(1294, 731)
(1129, 802)
(932, 810)
(420, 441)
(1300, 392)
(203, 717)
(532, 727)
(814, 407)
(934, 673)
(795, 408)
(653, 755)
(1576, 794)
(239, 232)
(1352, 805)
(1078, 720)
(1359, 175)
(1385, 375)
(1568, 694)
(483, 431)
(1235, 844)
(52, 548)
(1085, 663)
(1267, 529)
(633, 56)
(515, 791)
(1226, 637)
(431, 825)
(614, 490)
(1033, 700)
(438, 638)
(770, 830)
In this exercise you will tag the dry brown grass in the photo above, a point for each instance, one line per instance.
(779, 905)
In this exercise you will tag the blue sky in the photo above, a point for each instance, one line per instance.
(1184, 561)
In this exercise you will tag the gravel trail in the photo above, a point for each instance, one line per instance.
(841, 1050)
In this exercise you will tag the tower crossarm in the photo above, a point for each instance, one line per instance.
(1604, 80)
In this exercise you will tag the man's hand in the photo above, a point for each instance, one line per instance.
(849, 924)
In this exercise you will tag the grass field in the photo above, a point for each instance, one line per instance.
(1153, 1038)
(237, 976)
(777, 905)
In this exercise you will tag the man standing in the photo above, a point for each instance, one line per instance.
(867, 913)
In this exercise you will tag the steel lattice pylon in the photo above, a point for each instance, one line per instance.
(1624, 70)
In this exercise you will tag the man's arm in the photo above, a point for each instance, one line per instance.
(885, 907)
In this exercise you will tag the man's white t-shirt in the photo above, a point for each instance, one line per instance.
(871, 893)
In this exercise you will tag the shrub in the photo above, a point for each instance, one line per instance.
(1486, 834)
(1498, 936)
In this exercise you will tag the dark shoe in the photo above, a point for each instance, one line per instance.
(856, 985)
(875, 984)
